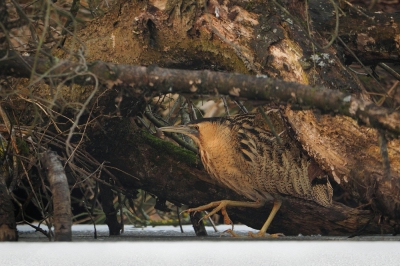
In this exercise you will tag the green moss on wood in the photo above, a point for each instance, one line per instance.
(166, 147)
(23, 147)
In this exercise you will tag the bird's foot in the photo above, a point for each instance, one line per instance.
(251, 234)
(230, 231)
(263, 234)
(218, 206)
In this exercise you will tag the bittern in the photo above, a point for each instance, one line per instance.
(245, 155)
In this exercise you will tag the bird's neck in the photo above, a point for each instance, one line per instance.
(215, 140)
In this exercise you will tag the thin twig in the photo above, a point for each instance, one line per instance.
(172, 109)
(390, 70)
(121, 213)
(70, 151)
(91, 218)
(241, 106)
(336, 31)
(270, 125)
(225, 105)
(179, 219)
(358, 10)
(211, 222)
(361, 63)
(385, 155)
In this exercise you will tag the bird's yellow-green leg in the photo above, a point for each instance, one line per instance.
(261, 233)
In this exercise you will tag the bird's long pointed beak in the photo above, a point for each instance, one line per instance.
(183, 129)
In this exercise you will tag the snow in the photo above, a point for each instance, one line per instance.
(166, 245)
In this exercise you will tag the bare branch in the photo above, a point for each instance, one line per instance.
(138, 80)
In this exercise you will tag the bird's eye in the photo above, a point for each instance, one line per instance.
(196, 127)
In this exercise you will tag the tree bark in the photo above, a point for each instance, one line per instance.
(62, 217)
(8, 227)
(373, 37)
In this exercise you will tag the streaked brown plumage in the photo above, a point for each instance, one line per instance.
(241, 153)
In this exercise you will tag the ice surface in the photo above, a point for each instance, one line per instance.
(164, 245)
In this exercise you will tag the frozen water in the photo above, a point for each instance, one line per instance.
(166, 245)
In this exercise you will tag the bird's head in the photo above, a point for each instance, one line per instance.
(198, 130)
(192, 130)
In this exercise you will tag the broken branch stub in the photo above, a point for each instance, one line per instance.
(60, 194)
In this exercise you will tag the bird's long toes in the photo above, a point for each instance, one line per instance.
(256, 235)
(276, 235)
(262, 234)
(230, 231)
